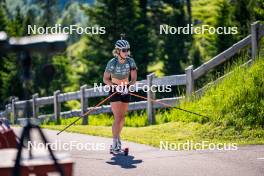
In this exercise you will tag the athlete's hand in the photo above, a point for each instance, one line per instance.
(123, 89)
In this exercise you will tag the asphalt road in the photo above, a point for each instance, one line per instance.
(143, 160)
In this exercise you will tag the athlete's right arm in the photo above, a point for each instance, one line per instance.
(107, 78)
(107, 74)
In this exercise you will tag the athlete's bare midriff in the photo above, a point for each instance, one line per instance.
(120, 81)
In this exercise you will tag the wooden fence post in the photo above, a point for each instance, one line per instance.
(57, 107)
(35, 109)
(254, 40)
(189, 80)
(14, 110)
(150, 95)
(84, 104)
(7, 112)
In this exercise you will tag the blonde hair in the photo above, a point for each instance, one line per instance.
(116, 52)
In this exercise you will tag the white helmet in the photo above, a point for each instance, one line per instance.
(120, 44)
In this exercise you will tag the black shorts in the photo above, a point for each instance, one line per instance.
(118, 97)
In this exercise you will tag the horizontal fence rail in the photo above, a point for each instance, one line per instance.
(188, 79)
(107, 109)
(222, 57)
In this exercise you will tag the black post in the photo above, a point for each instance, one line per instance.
(25, 59)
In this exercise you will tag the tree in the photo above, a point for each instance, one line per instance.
(15, 26)
(244, 15)
(225, 19)
(2, 16)
(259, 10)
(119, 16)
(195, 54)
(50, 15)
(188, 4)
(174, 47)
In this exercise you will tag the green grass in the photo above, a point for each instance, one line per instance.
(234, 108)
(135, 119)
(176, 132)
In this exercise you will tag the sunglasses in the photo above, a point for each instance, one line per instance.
(124, 50)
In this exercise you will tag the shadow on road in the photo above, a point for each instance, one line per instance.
(126, 162)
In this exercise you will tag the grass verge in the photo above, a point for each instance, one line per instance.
(175, 132)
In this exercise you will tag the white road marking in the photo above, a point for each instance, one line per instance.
(260, 158)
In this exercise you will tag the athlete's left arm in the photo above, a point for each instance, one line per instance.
(133, 76)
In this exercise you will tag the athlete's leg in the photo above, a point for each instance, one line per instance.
(124, 108)
(117, 111)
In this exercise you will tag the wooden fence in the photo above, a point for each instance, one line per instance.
(188, 79)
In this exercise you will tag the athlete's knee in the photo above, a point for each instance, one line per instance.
(117, 118)
(120, 119)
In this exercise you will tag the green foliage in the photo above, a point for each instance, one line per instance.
(73, 14)
(9, 79)
(118, 17)
(259, 10)
(225, 18)
(195, 54)
(244, 15)
(172, 49)
(206, 43)
(50, 9)
(15, 26)
(63, 70)
(3, 19)
(237, 13)
(135, 119)
(236, 102)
